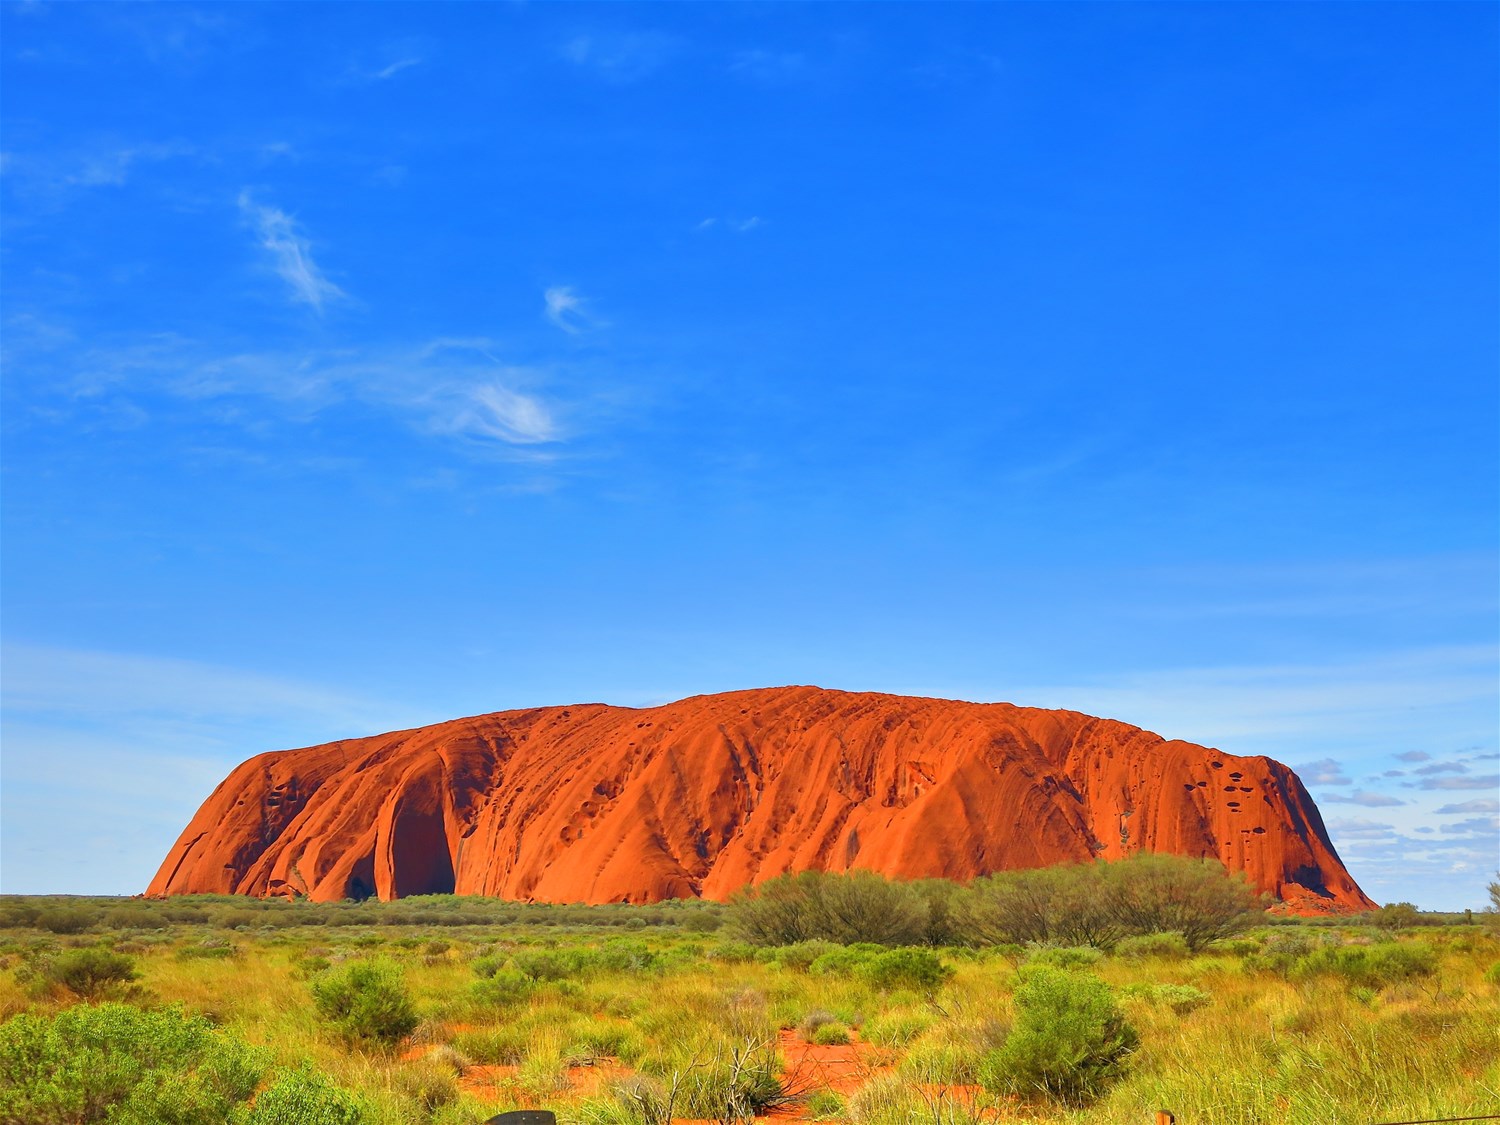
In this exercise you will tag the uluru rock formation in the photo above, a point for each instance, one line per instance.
(700, 797)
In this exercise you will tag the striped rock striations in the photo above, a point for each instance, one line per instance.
(700, 797)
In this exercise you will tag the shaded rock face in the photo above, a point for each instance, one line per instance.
(706, 795)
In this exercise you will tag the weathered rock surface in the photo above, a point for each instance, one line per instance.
(593, 803)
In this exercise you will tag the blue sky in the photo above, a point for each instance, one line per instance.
(370, 365)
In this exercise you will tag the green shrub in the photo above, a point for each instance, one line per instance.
(1238, 947)
(117, 1062)
(305, 1097)
(1167, 945)
(918, 969)
(90, 973)
(845, 960)
(67, 920)
(1099, 903)
(1070, 1039)
(427, 1084)
(1063, 956)
(210, 949)
(594, 1039)
(939, 1063)
(626, 955)
(731, 1090)
(504, 987)
(366, 1001)
(504, 1045)
(823, 1105)
(1394, 916)
(831, 1034)
(801, 955)
(548, 964)
(896, 1029)
(1281, 952)
(844, 908)
(1369, 966)
(1492, 975)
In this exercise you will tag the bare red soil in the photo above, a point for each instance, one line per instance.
(700, 797)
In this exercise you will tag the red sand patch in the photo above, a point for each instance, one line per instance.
(842, 1069)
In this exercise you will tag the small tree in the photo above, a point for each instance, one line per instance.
(366, 1001)
(1198, 898)
(818, 905)
(1395, 916)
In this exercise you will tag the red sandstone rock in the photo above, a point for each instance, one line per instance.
(700, 797)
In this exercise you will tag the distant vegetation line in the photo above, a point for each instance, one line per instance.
(1082, 904)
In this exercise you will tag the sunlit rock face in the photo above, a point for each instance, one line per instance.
(700, 797)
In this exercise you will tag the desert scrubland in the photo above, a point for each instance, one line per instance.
(447, 1009)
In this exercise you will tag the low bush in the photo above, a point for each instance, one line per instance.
(1069, 1042)
(845, 960)
(119, 1063)
(548, 964)
(920, 970)
(831, 1034)
(941, 1063)
(90, 973)
(1063, 956)
(209, 949)
(1165, 946)
(825, 1105)
(1369, 966)
(304, 1097)
(814, 1020)
(897, 1028)
(736, 1089)
(801, 955)
(502, 988)
(67, 920)
(366, 1001)
(491, 1046)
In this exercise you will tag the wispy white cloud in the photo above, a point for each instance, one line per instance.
(55, 178)
(395, 68)
(738, 226)
(566, 308)
(495, 411)
(455, 388)
(111, 167)
(621, 57)
(1414, 756)
(291, 253)
(769, 67)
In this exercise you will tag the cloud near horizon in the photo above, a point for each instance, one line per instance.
(1364, 798)
(1478, 805)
